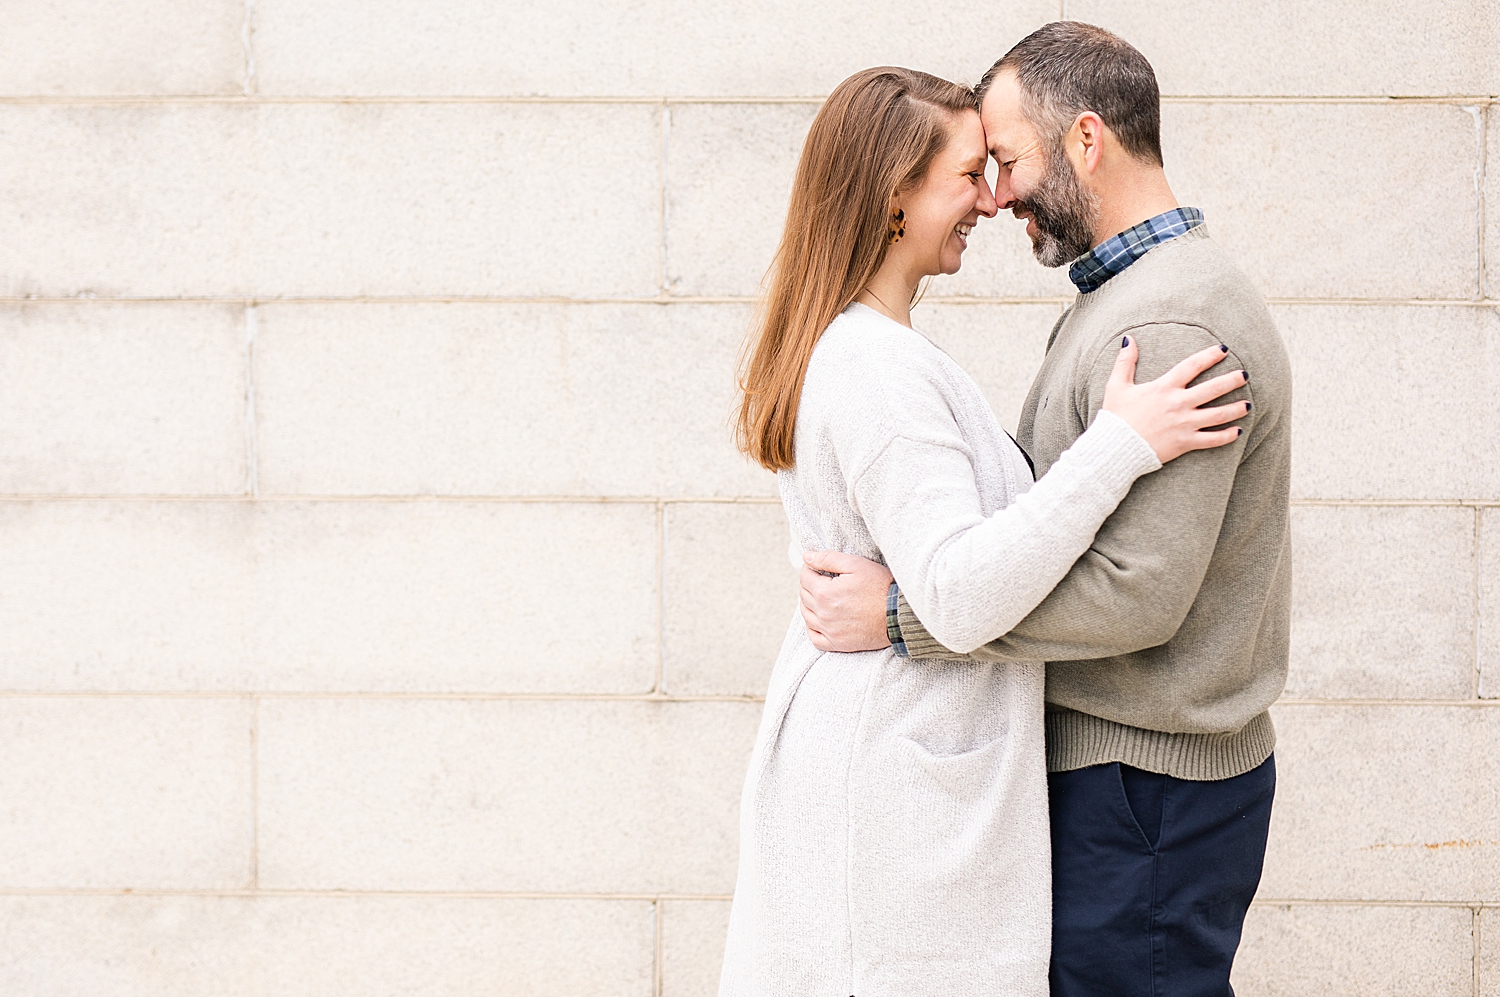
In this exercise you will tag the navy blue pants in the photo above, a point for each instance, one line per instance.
(1151, 878)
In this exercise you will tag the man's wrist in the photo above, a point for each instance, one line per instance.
(892, 620)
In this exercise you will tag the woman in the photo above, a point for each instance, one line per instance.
(893, 823)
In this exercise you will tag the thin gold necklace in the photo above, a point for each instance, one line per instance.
(888, 310)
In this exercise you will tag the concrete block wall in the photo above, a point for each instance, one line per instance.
(383, 609)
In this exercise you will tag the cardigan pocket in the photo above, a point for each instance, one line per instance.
(960, 773)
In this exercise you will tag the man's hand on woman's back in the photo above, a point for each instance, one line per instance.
(843, 601)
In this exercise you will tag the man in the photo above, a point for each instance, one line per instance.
(1167, 640)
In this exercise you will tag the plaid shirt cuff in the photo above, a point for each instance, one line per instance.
(892, 623)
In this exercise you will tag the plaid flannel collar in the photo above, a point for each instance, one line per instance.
(1119, 251)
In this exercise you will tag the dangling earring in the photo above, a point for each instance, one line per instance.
(898, 227)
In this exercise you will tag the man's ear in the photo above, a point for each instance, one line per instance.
(1087, 137)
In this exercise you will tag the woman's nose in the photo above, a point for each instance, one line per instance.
(986, 206)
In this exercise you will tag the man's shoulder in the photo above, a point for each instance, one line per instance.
(1187, 281)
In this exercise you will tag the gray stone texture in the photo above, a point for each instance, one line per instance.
(500, 399)
(1356, 632)
(1490, 236)
(320, 596)
(125, 793)
(1306, 219)
(1385, 803)
(134, 47)
(1489, 603)
(762, 48)
(252, 946)
(1488, 970)
(1291, 48)
(1394, 403)
(167, 200)
(139, 398)
(1299, 950)
(528, 796)
(693, 934)
(730, 590)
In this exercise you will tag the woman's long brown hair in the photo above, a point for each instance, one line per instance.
(874, 137)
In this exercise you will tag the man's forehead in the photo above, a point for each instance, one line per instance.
(1005, 123)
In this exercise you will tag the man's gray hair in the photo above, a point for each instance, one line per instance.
(1068, 67)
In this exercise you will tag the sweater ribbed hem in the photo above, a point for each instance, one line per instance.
(1077, 740)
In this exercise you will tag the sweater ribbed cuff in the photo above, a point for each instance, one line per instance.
(1077, 740)
(1117, 452)
(915, 639)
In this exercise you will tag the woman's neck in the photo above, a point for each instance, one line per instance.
(890, 293)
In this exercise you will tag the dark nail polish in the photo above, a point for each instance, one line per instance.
(1247, 406)
(1246, 373)
(1124, 342)
(1223, 348)
(1240, 433)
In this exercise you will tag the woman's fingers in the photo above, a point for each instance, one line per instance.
(1217, 438)
(1189, 368)
(1215, 387)
(1123, 376)
(1219, 415)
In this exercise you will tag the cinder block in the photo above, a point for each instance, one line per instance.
(720, 243)
(758, 48)
(1489, 952)
(330, 200)
(1382, 602)
(490, 399)
(1385, 803)
(1305, 219)
(237, 946)
(1489, 603)
(1491, 233)
(730, 593)
(692, 939)
(135, 47)
(527, 796)
(99, 398)
(1288, 48)
(125, 793)
(729, 178)
(1393, 402)
(1350, 951)
(391, 596)
(1001, 347)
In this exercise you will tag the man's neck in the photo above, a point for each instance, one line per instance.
(1130, 199)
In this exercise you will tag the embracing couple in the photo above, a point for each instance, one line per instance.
(1019, 735)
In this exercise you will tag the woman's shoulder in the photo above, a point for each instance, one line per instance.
(872, 377)
(861, 342)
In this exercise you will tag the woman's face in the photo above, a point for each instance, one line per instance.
(940, 213)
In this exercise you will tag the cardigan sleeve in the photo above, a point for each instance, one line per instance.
(1137, 581)
(972, 577)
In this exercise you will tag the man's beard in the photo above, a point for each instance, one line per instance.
(1065, 213)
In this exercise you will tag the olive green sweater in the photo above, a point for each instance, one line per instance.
(1167, 640)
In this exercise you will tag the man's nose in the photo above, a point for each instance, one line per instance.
(1005, 195)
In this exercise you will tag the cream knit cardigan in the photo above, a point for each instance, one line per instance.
(893, 827)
